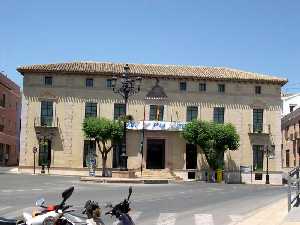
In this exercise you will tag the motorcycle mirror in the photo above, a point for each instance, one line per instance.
(67, 193)
(130, 192)
(40, 202)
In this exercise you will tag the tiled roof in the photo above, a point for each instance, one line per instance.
(166, 71)
(291, 118)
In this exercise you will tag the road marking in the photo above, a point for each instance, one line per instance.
(4, 208)
(6, 190)
(235, 219)
(36, 189)
(20, 190)
(203, 219)
(166, 219)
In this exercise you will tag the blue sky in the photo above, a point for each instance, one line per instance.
(254, 35)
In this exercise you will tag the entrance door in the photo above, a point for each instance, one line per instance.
(191, 156)
(155, 154)
(45, 152)
(117, 150)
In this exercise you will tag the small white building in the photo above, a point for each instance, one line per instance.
(290, 102)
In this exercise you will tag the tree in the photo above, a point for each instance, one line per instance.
(103, 131)
(213, 138)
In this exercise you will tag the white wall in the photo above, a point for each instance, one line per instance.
(290, 100)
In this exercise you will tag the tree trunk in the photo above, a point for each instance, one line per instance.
(104, 159)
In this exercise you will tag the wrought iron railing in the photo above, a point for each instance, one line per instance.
(293, 188)
(46, 121)
(258, 128)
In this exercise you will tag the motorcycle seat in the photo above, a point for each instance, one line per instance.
(4, 221)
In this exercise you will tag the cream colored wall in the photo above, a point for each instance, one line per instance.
(70, 94)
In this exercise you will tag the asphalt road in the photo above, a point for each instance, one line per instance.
(152, 204)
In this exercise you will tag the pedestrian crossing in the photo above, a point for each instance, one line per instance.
(163, 218)
(198, 219)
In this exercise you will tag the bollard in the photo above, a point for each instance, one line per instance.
(219, 175)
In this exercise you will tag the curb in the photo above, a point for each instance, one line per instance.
(124, 181)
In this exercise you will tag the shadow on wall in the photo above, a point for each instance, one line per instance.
(232, 173)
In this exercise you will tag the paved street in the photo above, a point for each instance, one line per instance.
(180, 204)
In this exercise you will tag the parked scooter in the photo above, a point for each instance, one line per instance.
(48, 215)
(51, 214)
(120, 211)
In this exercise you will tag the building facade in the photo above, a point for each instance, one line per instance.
(57, 98)
(290, 128)
(290, 102)
(10, 108)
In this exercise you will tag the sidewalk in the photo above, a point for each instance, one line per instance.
(272, 214)
(293, 218)
(125, 180)
(9, 169)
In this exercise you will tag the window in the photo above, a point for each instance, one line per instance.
(89, 152)
(89, 82)
(48, 81)
(182, 86)
(90, 109)
(2, 125)
(287, 158)
(119, 110)
(191, 113)
(219, 114)
(258, 90)
(258, 115)
(46, 113)
(156, 112)
(202, 87)
(2, 100)
(221, 88)
(109, 83)
(258, 157)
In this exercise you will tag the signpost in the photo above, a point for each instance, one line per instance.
(34, 150)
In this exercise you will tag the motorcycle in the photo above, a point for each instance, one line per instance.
(48, 215)
(61, 215)
(120, 211)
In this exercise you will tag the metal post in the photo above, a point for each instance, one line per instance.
(251, 173)
(34, 150)
(33, 162)
(267, 175)
(298, 187)
(289, 193)
(142, 142)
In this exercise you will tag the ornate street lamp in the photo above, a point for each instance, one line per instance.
(126, 87)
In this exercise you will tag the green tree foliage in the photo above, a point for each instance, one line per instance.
(104, 132)
(213, 138)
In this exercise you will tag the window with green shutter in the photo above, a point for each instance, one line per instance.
(191, 113)
(219, 114)
(90, 109)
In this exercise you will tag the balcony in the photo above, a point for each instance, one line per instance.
(46, 122)
(259, 129)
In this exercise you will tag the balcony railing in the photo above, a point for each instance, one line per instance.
(45, 121)
(259, 128)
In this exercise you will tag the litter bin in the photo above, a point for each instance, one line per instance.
(219, 175)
